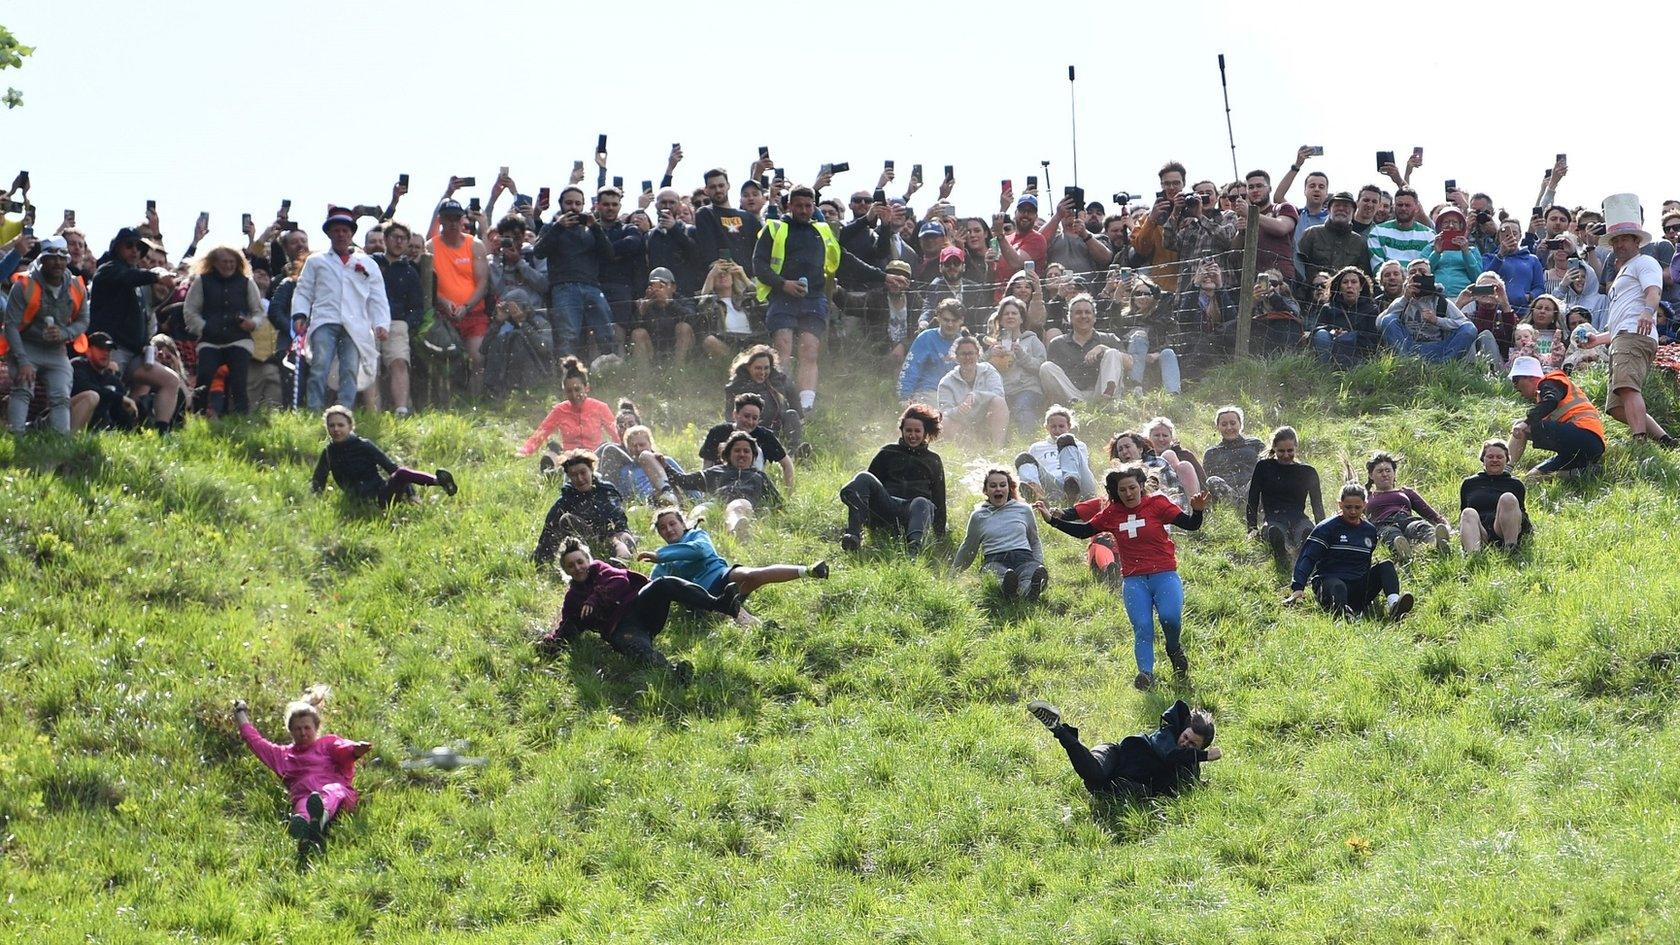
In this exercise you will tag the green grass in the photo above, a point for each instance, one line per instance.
(1497, 768)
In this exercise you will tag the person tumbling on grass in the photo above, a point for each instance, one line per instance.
(317, 768)
(1148, 558)
(688, 554)
(1150, 764)
(355, 464)
(627, 609)
(1336, 558)
(1003, 530)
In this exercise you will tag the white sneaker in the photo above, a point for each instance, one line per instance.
(1443, 536)
(1402, 548)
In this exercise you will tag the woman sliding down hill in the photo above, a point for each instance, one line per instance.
(1149, 764)
(317, 768)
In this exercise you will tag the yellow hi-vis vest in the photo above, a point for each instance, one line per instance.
(778, 230)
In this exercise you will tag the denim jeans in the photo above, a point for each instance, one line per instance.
(325, 343)
(1341, 350)
(1138, 347)
(577, 306)
(1453, 346)
(1147, 596)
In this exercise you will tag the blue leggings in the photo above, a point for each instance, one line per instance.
(1147, 595)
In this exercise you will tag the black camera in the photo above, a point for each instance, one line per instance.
(1424, 284)
(1122, 198)
(1483, 217)
(507, 243)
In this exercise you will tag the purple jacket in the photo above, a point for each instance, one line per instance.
(606, 589)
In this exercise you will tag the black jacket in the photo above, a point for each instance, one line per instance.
(911, 473)
(116, 307)
(716, 230)
(602, 507)
(402, 290)
(355, 464)
(728, 483)
(1154, 761)
(574, 254)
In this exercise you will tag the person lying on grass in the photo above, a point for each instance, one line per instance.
(626, 608)
(1003, 529)
(739, 482)
(689, 554)
(1149, 764)
(1336, 558)
(355, 464)
(317, 768)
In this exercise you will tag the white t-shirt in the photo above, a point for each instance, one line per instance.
(1627, 295)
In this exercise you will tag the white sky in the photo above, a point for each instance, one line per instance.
(230, 106)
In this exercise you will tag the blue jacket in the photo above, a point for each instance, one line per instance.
(1335, 549)
(691, 558)
(1524, 275)
(928, 361)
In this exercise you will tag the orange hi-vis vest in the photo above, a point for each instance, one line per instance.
(32, 307)
(1574, 409)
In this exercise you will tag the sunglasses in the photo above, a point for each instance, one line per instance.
(1671, 227)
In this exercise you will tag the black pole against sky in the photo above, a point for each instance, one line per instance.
(1228, 134)
(1073, 124)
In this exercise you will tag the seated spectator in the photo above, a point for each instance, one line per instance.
(749, 416)
(1346, 330)
(904, 486)
(1453, 260)
(1282, 486)
(589, 508)
(1152, 764)
(1487, 307)
(1230, 462)
(737, 480)
(98, 397)
(1148, 329)
(1492, 503)
(971, 394)
(626, 608)
(1002, 529)
(1336, 558)
(1277, 316)
(891, 316)
(756, 370)
(1520, 271)
(1059, 461)
(1017, 354)
(46, 309)
(688, 553)
(1084, 364)
(727, 309)
(930, 356)
(1563, 420)
(167, 355)
(117, 310)
(1579, 357)
(663, 323)
(638, 468)
(582, 422)
(1551, 339)
(1026, 287)
(518, 351)
(950, 284)
(1334, 245)
(1577, 287)
(512, 277)
(1206, 313)
(1403, 519)
(1425, 324)
(354, 464)
(1391, 285)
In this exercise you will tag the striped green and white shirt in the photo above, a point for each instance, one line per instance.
(1387, 241)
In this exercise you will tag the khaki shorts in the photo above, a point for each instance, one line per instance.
(1631, 357)
(395, 345)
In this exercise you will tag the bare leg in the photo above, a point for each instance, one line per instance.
(782, 341)
(1186, 473)
(399, 384)
(475, 365)
(714, 347)
(997, 420)
(737, 516)
(1507, 521)
(810, 349)
(747, 580)
(685, 341)
(641, 345)
(168, 386)
(1519, 442)
(651, 466)
(82, 407)
(1470, 534)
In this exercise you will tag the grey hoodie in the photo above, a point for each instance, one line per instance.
(992, 529)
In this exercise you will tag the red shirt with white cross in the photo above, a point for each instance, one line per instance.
(1141, 539)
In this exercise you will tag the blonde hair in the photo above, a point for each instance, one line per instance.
(339, 410)
(308, 704)
(205, 264)
(639, 430)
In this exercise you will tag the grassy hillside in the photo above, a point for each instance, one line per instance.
(1497, 768)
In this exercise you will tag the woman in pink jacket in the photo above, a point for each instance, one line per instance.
(316, 768)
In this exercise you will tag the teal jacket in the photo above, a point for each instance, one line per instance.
(691, 558)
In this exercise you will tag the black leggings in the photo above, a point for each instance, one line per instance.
(238, 362)
(1095, 766)
(1335, 593)
(866, 499)
(1575, 446)
(647, 614)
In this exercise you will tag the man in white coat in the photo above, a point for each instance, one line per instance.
(342, 293)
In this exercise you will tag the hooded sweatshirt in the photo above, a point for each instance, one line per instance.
(993, 529)
(692, 558)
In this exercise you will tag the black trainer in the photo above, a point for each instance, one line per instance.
(1011, 583)
(1040, 579)
(819, 570)
(1045, 713)
(317, 807)
(682, 672)
(1180, 664)
(446, 479)
(1401, 607)
(850, 542)
(1144, 681)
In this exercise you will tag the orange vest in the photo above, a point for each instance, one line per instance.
(454, 269)
(32, 307)
(1574, 409)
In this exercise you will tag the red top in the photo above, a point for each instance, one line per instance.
(584, 429)
(1140, 535)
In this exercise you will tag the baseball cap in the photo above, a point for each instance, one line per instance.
(931, 228)
(98, 339)
(1526, 366)
(952, 252)
(661, 274)
(451, 208)
(1027, 200)
(898, 267)
(55, 246)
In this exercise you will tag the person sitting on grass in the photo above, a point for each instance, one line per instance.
(1230, 462)
(756, 371)
(317, 768)
(1060, 460)
(688, 553)
(626, 608)
(749, 418)
(1150, 764)
(971, 395)
(1402, 517)
(355, 464)
(1003, 529)
(930, 355)
(737, 482)
(588, 508)
(904, 485)
(1336, 559)
(1137, 523)
(1282, 486)
(582, 422)
(1563, 420)
(638, 468)
(1130, 446)
(1493, 504)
